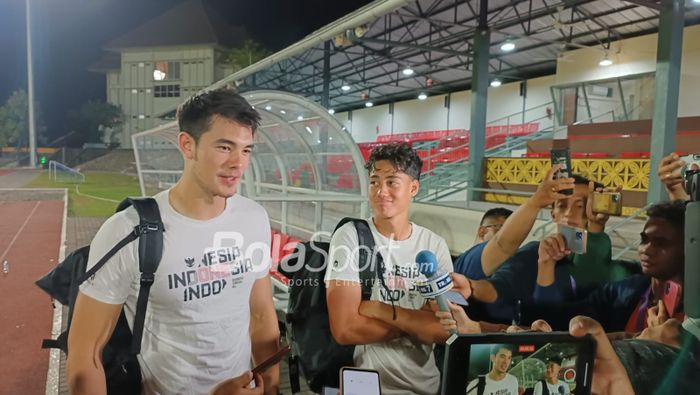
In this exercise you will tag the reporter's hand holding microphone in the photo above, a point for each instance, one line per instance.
(439, 286)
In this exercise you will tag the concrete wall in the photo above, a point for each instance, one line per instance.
(634, 56)
(457, 226)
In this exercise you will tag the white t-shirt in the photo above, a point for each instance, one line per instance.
(404, 364)
(553, 388)
(197, 319)
(506, 386)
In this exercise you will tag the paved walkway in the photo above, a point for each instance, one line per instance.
(17, 178)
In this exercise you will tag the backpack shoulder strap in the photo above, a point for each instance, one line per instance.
(481, 385)
(368, 267)
(150, 232)
(545, 388)
(369, 259)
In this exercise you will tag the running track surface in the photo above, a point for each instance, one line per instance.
(30, 236)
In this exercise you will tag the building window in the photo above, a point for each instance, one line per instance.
(166, 91)
(164, 71)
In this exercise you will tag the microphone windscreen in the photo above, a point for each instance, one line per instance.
(427, 263)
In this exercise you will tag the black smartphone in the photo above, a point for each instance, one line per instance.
(561, 156)
(271, 361)
(511, 364)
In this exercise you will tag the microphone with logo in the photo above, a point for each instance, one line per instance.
(436, 284)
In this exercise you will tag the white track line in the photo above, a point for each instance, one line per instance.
(53, 374)
(4, 254)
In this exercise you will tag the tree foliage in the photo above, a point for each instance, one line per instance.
(89, 123)
(14, 121)
(250, 52)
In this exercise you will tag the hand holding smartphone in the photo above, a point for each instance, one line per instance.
(576, 238)
(609, 203)
(561, 156)
(672, 297)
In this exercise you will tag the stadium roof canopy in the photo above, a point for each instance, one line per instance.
(369, 49)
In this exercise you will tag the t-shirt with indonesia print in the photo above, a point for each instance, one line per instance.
(405, 365)
(197, 319)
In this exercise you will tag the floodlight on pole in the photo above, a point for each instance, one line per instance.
(30, 91)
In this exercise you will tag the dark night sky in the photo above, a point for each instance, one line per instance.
(68, 36)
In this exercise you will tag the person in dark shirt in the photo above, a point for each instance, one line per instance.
(623, 305)
(515, 281)
(483, 259)
(491, 223)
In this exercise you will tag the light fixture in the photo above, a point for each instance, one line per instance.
(407, 71)
(496, 83)
(331, 111)
(422, 96)
(282, 112)
(369, 104)
(308, 129)
(605, 61)
(507, 46)
(268, 108)
(300, 118)
(345, 88)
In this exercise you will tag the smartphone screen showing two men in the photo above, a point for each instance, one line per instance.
(516, 364)
(359, 382)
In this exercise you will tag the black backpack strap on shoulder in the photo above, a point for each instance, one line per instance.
(150, 233)
(481, 385)
(126, 240)
(545, 388)
(368, 257)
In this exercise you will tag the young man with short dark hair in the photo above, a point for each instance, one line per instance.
(394, 331)
(551, 384)
(497, 380)
(210, 311)
(624, 305)
(575, 275)
(491, 222)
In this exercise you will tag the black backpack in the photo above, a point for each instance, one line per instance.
(314, 349)
(122, 371)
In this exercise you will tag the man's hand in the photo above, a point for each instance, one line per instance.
(671, 177)
(657, 315)
(549, 190)
(609, 375)
(668, 333)
(461, 284)
(597, 221)
(240, 385)
(552, 249)
(537, 326)
(457, 320)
